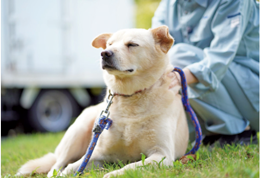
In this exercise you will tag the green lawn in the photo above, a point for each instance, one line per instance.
(232, 161)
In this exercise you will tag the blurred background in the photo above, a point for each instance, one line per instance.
(49, 70)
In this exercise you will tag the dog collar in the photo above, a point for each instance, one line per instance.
(124, 95)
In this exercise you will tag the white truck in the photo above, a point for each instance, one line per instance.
(48, 67)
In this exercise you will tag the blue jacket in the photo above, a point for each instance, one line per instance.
(226, 30)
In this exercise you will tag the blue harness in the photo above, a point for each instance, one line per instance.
(104, 123)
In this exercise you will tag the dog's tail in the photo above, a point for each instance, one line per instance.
(40, 165)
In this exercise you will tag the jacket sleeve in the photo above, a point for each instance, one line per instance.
(160, 14)
(228, 26)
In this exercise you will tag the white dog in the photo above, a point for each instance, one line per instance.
(148, 116)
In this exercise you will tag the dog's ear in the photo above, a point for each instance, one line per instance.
(161, 36)
(101, 40)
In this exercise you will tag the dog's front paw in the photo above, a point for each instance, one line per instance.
(53, 173)
(50, 174)
(69, 170)
(18, 174)
(114, 174)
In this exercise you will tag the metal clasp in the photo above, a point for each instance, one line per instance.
(109, 102)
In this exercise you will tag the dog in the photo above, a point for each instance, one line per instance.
(147, 112)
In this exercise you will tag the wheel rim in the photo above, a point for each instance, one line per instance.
(54, 111)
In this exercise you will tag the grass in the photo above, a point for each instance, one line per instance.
(17, 150)
(231, 161)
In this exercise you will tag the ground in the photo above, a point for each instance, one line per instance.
(231, 161)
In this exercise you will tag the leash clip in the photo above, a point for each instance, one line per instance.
(104, 113)
(109, 102)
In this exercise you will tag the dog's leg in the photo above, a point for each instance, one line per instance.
(72, 168)
(58, 165)
(76, 140)
(156, 157)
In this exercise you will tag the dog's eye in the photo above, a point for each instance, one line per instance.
(132, 45)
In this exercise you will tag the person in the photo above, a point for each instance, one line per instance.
(217, 45)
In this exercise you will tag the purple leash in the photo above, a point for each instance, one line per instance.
(104, 123)
(192, 114)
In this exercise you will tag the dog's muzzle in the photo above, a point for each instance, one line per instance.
(107, 59)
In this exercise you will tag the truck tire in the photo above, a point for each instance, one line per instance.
(52, 111)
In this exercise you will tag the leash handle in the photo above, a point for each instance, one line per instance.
(186, 104)
(103, 123)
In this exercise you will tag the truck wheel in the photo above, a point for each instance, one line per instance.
(52, 111)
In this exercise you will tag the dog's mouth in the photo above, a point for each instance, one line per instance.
(111, 68)
(108, 67)
(110, 64)
(129, 70)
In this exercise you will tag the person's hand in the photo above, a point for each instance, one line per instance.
(176, 79)
(190, 77)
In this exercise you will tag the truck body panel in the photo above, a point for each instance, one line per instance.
(47, 43)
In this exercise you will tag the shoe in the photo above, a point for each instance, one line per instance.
(245, 138)
(210, 139)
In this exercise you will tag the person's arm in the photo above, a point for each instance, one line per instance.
(228, 25)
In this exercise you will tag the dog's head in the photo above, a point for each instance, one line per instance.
(134, 52)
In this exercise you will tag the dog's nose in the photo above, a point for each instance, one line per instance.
(107, 53)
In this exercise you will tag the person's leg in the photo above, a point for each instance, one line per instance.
(218, 111)
(237, 95)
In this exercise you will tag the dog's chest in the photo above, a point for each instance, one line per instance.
(129, 132)
(135, 128)
(136, 119)
(127, 141)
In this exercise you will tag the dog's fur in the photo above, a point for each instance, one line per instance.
(151, 121)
